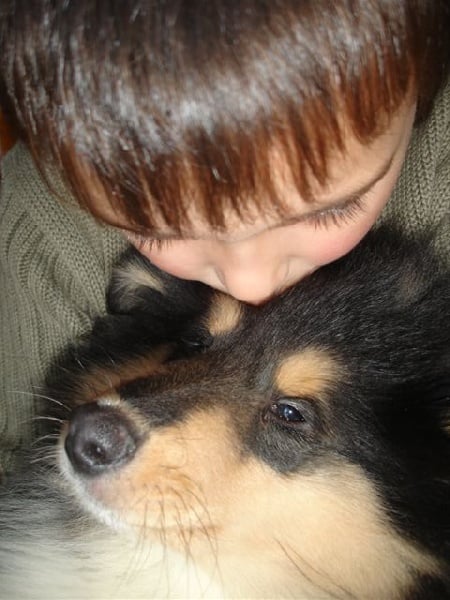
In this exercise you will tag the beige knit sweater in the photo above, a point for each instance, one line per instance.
(55, 262)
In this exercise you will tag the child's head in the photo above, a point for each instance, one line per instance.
(223, 120)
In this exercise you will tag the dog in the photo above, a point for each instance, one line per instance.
(208, 448)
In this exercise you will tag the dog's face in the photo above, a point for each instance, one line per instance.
(300, 448)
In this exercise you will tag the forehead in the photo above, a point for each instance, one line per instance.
(348, 170)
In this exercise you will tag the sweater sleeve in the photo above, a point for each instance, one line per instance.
(55, 262)
(421, 199)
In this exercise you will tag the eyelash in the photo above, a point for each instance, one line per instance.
(141, 241)
(338, 216)
(324, 219)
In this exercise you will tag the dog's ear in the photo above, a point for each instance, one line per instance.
(135, 284)
(146, 307)
(138, 286)
(149, 313)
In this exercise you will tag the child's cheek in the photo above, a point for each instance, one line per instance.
(324, 246)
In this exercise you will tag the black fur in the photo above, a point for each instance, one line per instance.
(383, 312)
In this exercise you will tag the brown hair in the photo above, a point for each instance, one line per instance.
(158, 104)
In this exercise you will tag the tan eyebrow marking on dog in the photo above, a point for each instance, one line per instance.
(98, 380)
(224, 315)
(310, 372)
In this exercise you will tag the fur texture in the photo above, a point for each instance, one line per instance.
(207, 448)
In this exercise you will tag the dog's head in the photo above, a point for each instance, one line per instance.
(301, 447)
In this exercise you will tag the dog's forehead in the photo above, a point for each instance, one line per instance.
(243, 372)
(260, 351)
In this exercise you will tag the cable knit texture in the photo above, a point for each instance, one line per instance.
(55, 262)
(421, 199)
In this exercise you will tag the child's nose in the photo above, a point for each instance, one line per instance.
(254, 282)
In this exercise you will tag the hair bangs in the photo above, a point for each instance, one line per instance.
(170, 110)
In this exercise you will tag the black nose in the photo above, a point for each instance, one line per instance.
(99, 439)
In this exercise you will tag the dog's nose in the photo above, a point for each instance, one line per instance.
(99, 439)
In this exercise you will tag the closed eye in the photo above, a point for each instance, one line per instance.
(144, 243)
(190, 344)
(339, 215)
(197, 343)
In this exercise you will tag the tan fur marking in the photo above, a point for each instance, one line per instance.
(169, 471)
(410, 285)
(101, 381)
(224, 314)
(309, 373)
(135, 275)
(332, 531)
(320, 534)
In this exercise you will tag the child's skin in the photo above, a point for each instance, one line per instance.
(259, 258)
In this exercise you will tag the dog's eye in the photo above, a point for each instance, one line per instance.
(196, 343)
(191, 343)
(287, 412)
(292, 413)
